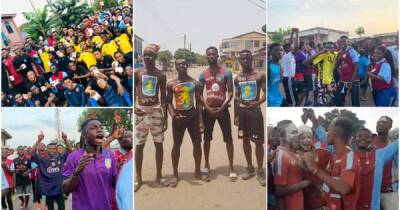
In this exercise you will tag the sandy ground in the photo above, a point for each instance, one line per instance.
(191, 194)
(31, 206)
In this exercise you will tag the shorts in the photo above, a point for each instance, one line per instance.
(299, 87)
(153, 121)
(308, 82)
(251, 124)
(224, 121)
(189, 122)
(23, 190)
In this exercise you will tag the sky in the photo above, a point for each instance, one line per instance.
(19, 6)
(204, 22)
(362, 113)
(376, 16)
(25, 124)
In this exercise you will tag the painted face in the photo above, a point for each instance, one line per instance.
(292, 135)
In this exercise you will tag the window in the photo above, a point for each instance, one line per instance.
(248, 44)
(8, 27)
(6, 42)
(257, 43)
(264, 44)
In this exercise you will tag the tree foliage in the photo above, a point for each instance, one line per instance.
(329, 116)
(165, 58)
(186, 54)
(107, 4)
(68, 12)
(277, 36)
(201, 60)
(106, 117)
(38, 23)
(360, 31)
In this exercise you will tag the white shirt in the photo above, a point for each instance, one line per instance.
(289, 65)
(394, 50)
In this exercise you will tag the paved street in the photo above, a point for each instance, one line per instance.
(191, 194)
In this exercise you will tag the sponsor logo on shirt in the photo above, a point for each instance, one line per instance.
(53, 170)
(107, 162)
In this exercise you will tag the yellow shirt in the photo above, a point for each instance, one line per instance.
(124, 43)
(109, 48)
(97, 39)
(328, 60)
(88, 58)
(44, 56)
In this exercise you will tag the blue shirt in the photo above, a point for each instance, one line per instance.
(362, 67)
(75, 97)
(275, 98)
(124, 187)
(385, 72)
(382, 156)
(112, 98)
(4, 182)
(50, 174)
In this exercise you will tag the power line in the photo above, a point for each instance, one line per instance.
(256, 4)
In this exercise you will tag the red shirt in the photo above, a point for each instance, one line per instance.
(367, 162)
(9, 175)
(18, 79)
(387, 178)
(345, 167)
(287, 171)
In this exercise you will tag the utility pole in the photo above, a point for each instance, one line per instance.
(190, 46)
(58, 125)
(184, 41)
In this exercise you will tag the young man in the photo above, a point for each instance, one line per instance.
(114, 94)
(343, 183)
(90, 172)
(50, 172)
(288, 178)
(22, 166)
(326, 61)
(185, 114)
(14, 75)
(248, 115)
(218, 85)
(275, 99)
(289, 70)
(151, 112)
(389, 189)
(9, 174)
(74, 93)
(347, 67)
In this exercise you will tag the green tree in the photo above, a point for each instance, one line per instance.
(201, 60)
(277, 36)
(68, 12)
(329, 116)
(360, 31)
(106, 117)
(186, 54)
(38, 24)
(107, 4)
(165, 58)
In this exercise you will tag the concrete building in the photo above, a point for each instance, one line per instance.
(319, 35)
(138, 42)
(10, 34)
(252, 41)
(4, 137)
(388, 38)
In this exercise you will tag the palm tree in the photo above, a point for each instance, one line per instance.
(39, 23)
(360, 31)
(68, 12)
(277, 36)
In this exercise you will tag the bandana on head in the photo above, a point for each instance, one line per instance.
(153, 48)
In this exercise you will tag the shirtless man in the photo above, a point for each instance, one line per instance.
(150, 111)
(248, 116)
(185, 114)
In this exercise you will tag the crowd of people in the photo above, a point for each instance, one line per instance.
(89, 64)
(316, 168)
(324, 74)
(195, 105)
(97, 177)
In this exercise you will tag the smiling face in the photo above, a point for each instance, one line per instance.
(363, 139)
(93, 133)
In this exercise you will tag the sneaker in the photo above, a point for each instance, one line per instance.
(261, 178)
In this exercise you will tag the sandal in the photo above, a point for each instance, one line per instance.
(233, 176)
